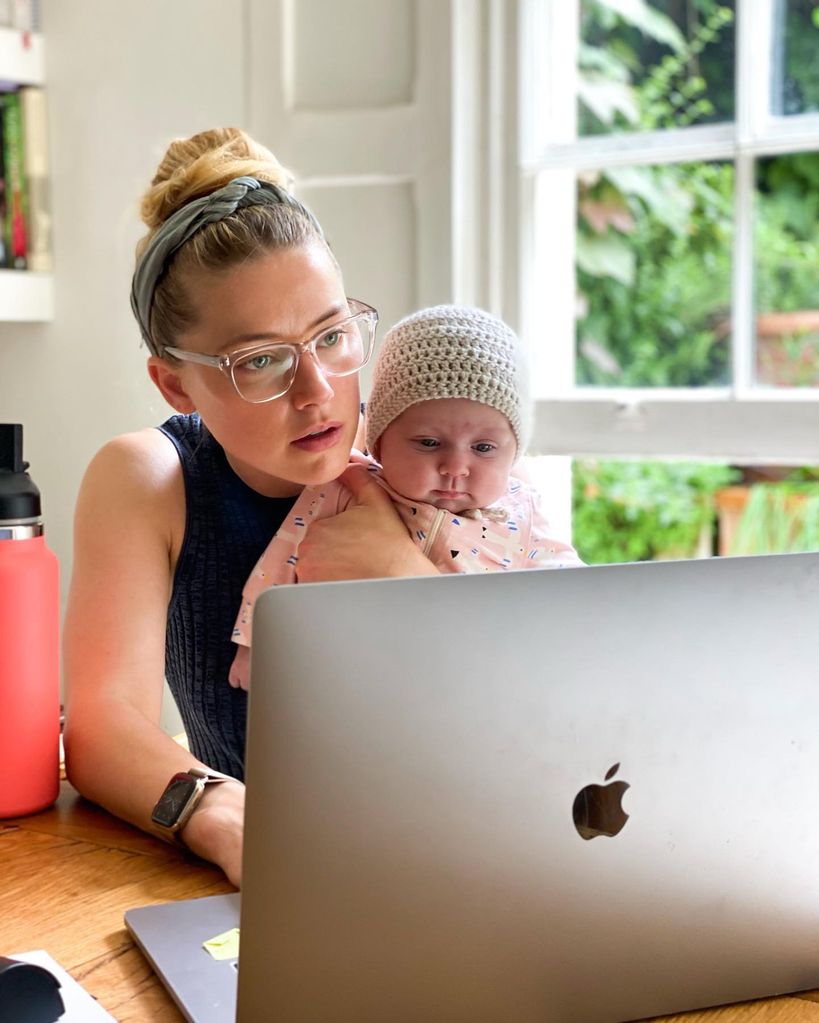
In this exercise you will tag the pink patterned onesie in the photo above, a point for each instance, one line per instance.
(512, 533)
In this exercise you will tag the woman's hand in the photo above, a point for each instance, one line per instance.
(367, 541)
(214, 832)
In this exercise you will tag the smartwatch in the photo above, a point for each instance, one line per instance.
(180, 799)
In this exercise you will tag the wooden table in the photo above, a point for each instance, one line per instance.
(66, 878)
(68, 875)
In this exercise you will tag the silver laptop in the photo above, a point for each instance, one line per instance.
(172, 935)
(533, 797)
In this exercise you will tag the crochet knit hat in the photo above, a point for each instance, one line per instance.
(449, 351)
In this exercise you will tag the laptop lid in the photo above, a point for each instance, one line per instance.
(172, 935)
(428, 758)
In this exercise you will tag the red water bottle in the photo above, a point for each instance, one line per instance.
(29, 641)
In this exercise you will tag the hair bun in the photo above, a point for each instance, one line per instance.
(198, 165)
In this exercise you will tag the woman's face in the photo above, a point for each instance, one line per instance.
(305, 436)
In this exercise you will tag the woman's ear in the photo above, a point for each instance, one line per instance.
(169, 383)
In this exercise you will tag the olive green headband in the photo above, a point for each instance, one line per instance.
(182, 225)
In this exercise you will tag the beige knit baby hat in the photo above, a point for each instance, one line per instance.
(449, 351)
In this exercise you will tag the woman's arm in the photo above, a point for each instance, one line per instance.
(367, 541)
(129, 523)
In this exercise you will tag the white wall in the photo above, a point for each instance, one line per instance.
(123, 79)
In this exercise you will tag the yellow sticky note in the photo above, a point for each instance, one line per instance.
(223, 946)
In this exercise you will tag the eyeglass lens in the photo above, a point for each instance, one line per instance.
(267, 373)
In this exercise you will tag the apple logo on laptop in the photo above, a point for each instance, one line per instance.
(598, 809)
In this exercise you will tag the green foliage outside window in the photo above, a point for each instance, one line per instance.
(652, 308)
(787, 240)
(654, 242)
(640, 511)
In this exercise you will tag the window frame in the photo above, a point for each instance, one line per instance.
(743, 423)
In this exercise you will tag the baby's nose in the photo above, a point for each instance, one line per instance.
(454, 465)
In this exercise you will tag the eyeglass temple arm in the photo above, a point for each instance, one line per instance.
(204, 360)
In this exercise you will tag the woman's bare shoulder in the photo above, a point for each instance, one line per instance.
(142, 454)
(132, 472)
(143, 461)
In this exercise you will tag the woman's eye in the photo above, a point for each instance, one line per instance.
(258, 362)
(335, 337)
(266, 362)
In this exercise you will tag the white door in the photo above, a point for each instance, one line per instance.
(355, 97)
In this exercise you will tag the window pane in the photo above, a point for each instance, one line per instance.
(635, 510)
(654, 276)
(645, 66)
(646, 510)
(786, 276)
(796, 71)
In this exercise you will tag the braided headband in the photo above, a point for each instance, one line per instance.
(182, 225)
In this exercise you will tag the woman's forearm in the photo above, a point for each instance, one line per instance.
(121, 760)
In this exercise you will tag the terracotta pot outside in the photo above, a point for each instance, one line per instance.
(787, 348)
(730, 503)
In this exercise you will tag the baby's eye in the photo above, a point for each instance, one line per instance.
(428, 442)
(484, 448)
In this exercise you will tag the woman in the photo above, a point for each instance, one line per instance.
(243, 309)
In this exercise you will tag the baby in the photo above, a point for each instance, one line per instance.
(445, 423)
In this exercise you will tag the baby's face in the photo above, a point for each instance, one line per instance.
(451, 452)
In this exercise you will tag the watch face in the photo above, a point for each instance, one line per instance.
(174, 800)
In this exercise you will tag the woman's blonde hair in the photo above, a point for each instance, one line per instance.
(195, 167)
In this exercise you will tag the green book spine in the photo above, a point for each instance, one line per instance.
(16, 213)
(3, 255)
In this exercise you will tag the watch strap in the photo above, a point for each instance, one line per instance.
(207, 775)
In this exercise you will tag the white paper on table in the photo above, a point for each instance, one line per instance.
(80, 1007)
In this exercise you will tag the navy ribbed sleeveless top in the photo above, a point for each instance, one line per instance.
(228, 526)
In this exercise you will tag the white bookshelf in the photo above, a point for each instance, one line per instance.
(25, 297)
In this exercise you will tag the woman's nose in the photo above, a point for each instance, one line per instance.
(311, 386)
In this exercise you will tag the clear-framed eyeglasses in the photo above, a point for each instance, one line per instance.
(263, 372)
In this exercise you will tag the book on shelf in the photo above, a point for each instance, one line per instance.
(2, 195)
(16, 204)
(25, 204)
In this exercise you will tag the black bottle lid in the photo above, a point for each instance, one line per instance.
(29, 992)
(19, 497)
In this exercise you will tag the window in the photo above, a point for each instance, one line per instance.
(669, 193)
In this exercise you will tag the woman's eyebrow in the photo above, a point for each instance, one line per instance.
(269, 335)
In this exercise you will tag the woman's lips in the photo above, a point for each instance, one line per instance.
(319, 438)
